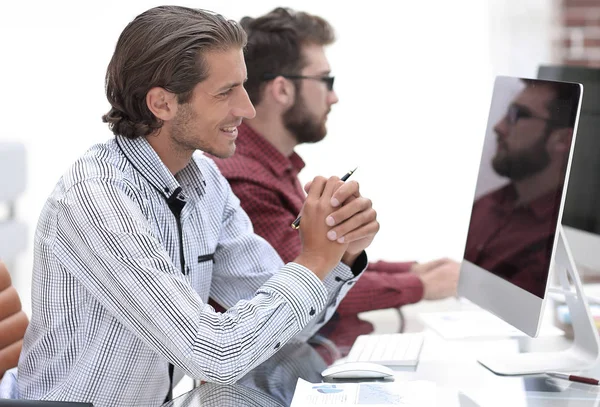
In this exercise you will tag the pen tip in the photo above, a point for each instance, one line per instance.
(351, 172)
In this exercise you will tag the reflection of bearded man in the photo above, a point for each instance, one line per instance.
(518, 165)
(302, 124)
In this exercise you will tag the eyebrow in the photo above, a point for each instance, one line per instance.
(231, 85)
(543, 115)
(526, 108)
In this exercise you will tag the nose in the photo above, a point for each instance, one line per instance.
(501, 128)
(244, 107)
(332, 97)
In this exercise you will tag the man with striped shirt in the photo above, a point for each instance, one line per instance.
(142, 229)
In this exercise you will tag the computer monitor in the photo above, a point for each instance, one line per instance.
(581, 213)
(514, 237)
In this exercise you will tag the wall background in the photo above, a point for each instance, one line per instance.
(414, 81)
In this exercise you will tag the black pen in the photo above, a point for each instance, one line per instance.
(296, 223)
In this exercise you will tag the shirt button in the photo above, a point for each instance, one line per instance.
(338, 279)
(312, 312)
(278, 345)
(167, 189)
(350, 282)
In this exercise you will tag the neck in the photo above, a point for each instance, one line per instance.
(272, 129)
(538, 184)
(173, 156)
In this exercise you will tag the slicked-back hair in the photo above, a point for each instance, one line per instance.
(162, 47)
(275, 42)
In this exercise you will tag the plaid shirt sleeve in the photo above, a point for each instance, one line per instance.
(384, 285)
(391, 267)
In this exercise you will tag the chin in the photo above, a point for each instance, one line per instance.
(223, 152)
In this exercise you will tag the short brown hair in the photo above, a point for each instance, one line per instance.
(275, 41)
(560, 108)
(162, 47)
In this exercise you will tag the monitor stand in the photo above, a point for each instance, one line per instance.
(584, 351)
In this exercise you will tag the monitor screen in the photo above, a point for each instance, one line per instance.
(581, 213)
(520, 183)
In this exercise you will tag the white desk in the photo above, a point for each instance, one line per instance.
(462, 381)
(451, 364)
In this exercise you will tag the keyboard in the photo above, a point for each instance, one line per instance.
(387, 349)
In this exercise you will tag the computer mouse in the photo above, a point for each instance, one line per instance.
(357, 370)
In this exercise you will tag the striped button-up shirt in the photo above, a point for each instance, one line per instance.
(126, 256)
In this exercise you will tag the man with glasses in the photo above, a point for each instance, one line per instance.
(533, 144)
(290, 84)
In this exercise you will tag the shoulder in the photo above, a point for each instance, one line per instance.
(102, 161)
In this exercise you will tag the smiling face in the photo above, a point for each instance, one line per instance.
(307, 118)
(209, 121)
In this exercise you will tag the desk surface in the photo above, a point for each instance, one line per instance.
(451, 364)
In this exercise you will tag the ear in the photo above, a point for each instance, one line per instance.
(282, 91)
(162, 103)
(560, 140)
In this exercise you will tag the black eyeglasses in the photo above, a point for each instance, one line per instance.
(516, 112)
(327, 79)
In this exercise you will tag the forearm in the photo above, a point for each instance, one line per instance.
(207, 345)
(339, 283)
(377, 290)
(252, 331)
(391, 267)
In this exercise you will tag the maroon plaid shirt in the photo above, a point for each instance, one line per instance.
(266, 182)
(514, 241)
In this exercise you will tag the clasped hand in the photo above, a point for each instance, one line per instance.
(338, 223)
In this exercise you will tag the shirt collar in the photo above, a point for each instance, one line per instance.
(541, 207)
(148, 164)
(253, 145)
(191, 177)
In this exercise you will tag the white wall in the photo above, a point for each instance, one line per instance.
(414, 81)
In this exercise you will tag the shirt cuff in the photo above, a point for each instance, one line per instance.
(360, 264)
(345, 274)
(302, 290)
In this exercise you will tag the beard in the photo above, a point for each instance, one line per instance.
(299, 121)
(187, 137)
(181, 129)
(521, 164)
